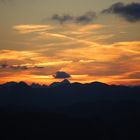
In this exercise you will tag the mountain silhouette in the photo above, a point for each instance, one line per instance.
(65, 82)
(98, 84)
(8, 84)
(35, 85)
(95, 109)
(62, 83)
(21, 86)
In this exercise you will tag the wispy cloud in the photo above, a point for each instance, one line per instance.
(93, 63)
(51, 31)
(71, 48)
(59, 35)
(25, 29)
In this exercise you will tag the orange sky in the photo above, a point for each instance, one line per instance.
(31, 50)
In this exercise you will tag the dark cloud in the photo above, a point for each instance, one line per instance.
(4, 65)
(18, 67)
(61, 75)
(82, 19)
(62, 18)
(86, 18)
(39, 67)
(12, 67)
(130, 12)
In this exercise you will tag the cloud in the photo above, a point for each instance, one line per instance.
(17, 55)
(62, 18)
(55, 63)
(33, 66)
(82, 19)
(86, 18)
(3, 66)
(61, 75)
(25, 29)
(93, 62)
(12, 67)
(130, 12)
(97, 61)
(19, 67)
(134, 75)
(70, 33)
(23, 67)
(62, 36)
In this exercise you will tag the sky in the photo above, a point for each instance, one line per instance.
(44, 41)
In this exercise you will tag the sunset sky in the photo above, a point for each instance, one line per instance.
(84, 40)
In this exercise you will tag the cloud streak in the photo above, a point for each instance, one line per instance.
(31, 28)
(134, 75)
(94, 63)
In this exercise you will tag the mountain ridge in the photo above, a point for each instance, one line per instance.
(56, 84)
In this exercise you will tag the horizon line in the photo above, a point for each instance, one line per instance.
(30, 83)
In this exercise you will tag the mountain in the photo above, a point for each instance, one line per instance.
(108, 112)
(20, 85)
(98, 84)
(65, 81)
(62, 83)
(35, 85)
(8, 84)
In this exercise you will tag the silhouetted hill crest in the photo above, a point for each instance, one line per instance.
(62, 83)
(21, 85)
(65, 83)
(98, 84)
(9, 84)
